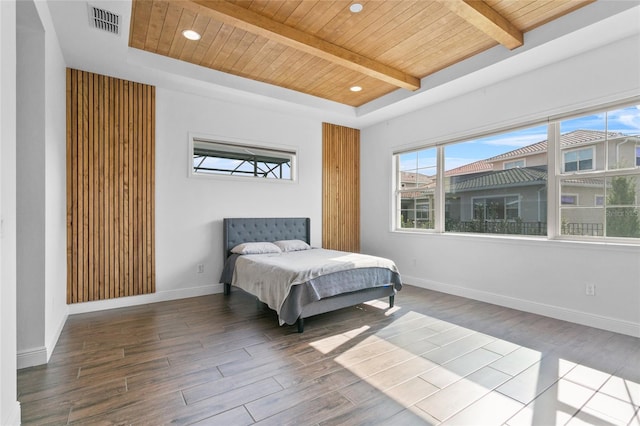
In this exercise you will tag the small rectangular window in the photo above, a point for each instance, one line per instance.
(496, 208)
(225, 158)
(637, 155)
(513, 164)
(569, 200)
(578, 160)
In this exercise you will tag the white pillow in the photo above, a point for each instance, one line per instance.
(256, 248)
(292, 245)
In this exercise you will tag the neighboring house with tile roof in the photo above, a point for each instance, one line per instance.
(536, 154)
(512, 187)
(515, 194)
(418, 192)
(475, 167)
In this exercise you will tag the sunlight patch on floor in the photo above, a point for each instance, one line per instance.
(331, 343)
(442, 372)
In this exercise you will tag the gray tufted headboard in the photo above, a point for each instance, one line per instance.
(243, 230)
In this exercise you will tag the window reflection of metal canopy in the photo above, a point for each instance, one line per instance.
(238, 159)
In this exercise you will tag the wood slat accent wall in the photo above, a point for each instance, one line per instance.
(340, 188)
(110, 187)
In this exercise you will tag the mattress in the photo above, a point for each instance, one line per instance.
(288, 281)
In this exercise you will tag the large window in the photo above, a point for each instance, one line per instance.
(606, 164)
(501, 184)
(490, 188)
(211, 157)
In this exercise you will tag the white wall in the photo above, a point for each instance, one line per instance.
(55, 128)
(189, 211)
(9, 405)
(541, 276)
(41, 185)
(30, 182)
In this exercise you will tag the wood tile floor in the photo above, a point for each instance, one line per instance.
(433, 359)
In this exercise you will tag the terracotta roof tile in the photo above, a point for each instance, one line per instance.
(480, 174)
(536, 148)
(475, 167)
(416, 177)
(577, 137)
(574, 138)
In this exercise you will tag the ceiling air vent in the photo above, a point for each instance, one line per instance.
(104, 20)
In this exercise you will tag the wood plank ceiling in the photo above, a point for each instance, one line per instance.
(321, 48)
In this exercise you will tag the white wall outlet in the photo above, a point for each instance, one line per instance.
(590, 289)
(200, 268)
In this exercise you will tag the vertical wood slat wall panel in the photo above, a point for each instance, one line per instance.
(110, 187)
(340, 188)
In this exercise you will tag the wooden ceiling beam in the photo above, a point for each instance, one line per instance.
(482, 16)
(231, 14)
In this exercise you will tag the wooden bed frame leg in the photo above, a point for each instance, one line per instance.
(227, 289)
(391, 300)
(300, 323)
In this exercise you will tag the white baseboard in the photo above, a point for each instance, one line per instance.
(32, 357)
(584, 318)
(40, 355)
(162, 296)
(14, 417)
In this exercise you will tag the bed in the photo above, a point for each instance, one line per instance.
(300, 281)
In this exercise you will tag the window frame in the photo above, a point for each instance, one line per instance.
(399, 188)
(603, 173)
(263, 147)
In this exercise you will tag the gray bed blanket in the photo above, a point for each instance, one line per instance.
(288, 281)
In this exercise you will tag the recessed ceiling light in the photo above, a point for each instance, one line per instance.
(356, 8)
(355, 88)
(191, 35)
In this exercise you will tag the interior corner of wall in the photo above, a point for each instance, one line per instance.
(53, 340)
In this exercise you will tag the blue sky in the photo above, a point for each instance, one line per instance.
(625, 120)
(221, 163)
